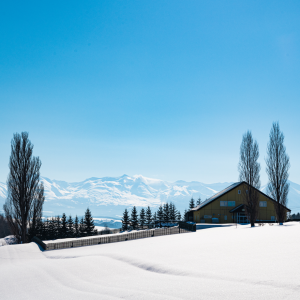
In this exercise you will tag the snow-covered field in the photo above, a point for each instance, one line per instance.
(217, 263)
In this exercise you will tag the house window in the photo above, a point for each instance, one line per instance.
(263, 203)
(239, 191)
(272, 218)
(223, 203)
(231, 203)
(225, 218)
(207, 216)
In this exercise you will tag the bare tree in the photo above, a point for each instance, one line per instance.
(278, 164)
(25, 197)
(249, 170)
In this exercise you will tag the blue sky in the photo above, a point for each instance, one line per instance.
(165, 89)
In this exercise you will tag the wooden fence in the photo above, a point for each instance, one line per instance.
(114, 238)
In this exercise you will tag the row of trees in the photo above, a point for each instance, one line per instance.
(63, 227)
(277, 169)
(166, 213)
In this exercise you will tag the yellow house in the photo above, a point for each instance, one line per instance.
(227, 206)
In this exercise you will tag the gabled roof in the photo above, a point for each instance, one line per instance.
(217, 195)
(223, 192)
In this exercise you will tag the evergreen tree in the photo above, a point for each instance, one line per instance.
(64, 227)
(47, 229)
(142, 218)
(40, 229)
(148, 216)
(125, 220)
(160, 214)
(172, 209)
(154, 219)
(134, 218)
(192, 203)
(185, 217)
(76, 227)
(199, 201)
(52, 229)
(166, 213)
(70, 227)
(89, 222)
(178, 215)
(57, 227)
(82, 228)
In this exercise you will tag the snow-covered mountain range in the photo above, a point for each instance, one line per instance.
(109, 196)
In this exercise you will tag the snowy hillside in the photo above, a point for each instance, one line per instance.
(259, 263)
(109, 196)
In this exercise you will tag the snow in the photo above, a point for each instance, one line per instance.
(109, 196)
(217, 263)
(8, 240)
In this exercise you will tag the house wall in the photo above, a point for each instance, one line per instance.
(214, 210)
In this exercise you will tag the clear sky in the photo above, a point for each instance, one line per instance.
(165, 89)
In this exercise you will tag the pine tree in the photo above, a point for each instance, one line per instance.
(46, 229)
(166, 213)
(64, 227)
(192, 203)
(82, 230)
(40, 229)
(148, 216)
(154, 219)
(178, 215)
(185, 217)
(142, 218)
(134, 218)
(57, 227)
(160, 214)
(199, 201)
(70, 227)
(52, 231)
(125, 220)
(76, 227)
(89, 222)
(172, 209)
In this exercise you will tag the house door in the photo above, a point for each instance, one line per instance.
(241, 218)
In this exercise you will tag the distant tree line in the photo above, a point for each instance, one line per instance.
(63, 227)
(166, 213)
(295, 216)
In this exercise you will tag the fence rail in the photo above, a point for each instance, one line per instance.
(110, 238)
(108, 231)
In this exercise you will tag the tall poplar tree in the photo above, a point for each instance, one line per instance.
(249, 169)
(25, 192)
(278, 165)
